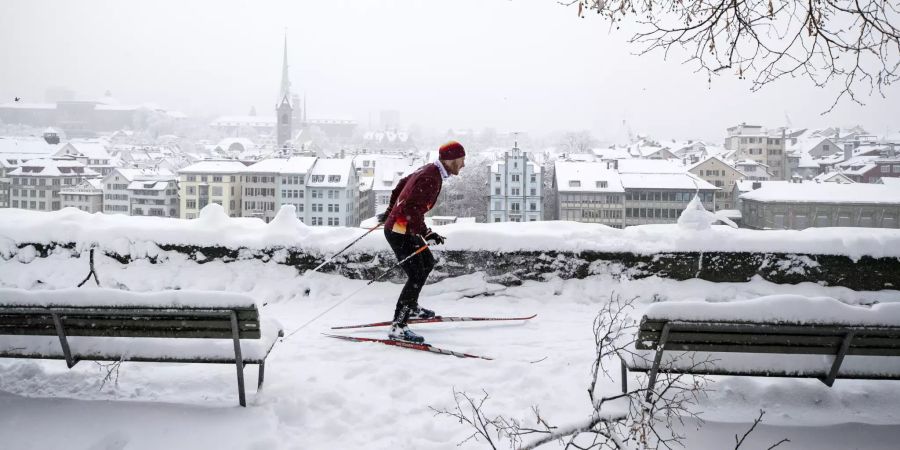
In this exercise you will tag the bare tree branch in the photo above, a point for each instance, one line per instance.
(853, 45)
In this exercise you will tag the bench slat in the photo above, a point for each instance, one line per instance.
(206, 323)
(23, 321)
(648, 341)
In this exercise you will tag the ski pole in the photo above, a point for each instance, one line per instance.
(348, 246)
(386, 272)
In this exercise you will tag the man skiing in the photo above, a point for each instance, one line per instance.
(406, 232)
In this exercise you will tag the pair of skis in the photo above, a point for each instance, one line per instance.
(423, 346)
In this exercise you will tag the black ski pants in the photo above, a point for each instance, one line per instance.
(417, 269)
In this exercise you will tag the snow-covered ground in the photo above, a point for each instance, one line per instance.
(326, 393)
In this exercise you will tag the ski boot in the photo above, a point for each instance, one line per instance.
(403, 333)
(422, 313)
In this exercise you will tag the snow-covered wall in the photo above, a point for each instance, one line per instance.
(859, 258)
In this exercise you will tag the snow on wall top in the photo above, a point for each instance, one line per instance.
(795, 309)
(128, 235)
(826, 193)
(92, 296)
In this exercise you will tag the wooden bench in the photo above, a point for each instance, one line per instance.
(662, 335)
(76, 330)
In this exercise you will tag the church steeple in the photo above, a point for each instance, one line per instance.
(285, 92)
(284, 110)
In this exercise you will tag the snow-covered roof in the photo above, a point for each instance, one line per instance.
(25, 146)
(806, 145)
(131, 174)
(572, 176)
(89, 186)
(649, 166)
(747, 185)
(389, 171)
(299, 164)
(89, 149)
(148, 185)
(611, 153)
(293, 165)
(891, 181)
(856, 193)
(831, 177)
(683, 181)
(52, 168)
(327, 168)
(212, 166)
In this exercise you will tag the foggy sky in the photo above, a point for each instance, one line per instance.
(516, 65)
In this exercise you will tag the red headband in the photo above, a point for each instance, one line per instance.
(451, 150)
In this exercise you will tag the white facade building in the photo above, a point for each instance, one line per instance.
(515, 189)
(93, 154)
(36, 184)
(141, 192)
(86, 196)
(208, 182)
(271, 183)
(588, 192)
(333, 193)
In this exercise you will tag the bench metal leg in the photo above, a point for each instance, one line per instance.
(63, 340)
(238, 359)
(624, 376)
(838, 360)
(656, 361)
(262, 375)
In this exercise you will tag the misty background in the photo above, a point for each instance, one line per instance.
(513, 65)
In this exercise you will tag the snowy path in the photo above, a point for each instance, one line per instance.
(326, 393)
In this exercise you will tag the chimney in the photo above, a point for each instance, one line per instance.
(848, 151)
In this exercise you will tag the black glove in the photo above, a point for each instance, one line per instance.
(382, 217)
(433, 237)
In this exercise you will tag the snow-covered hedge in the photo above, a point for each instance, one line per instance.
(859, 258)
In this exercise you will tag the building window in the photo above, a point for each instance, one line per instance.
(496, 191)
(574, 183)
(217, 179)
(515, 177)
(334, 178)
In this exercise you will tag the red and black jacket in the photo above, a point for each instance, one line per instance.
(414, 196)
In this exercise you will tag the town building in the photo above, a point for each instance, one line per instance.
(208, 182)
(272, 183)
(86, 196)
(93, 154)
(803, 205)
(588, 192)
(36, 184)
(721, 175)
(333, 190)
(755, 143)
(516, 193)
(141, 192)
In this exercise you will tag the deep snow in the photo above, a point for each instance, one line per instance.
(325, 393)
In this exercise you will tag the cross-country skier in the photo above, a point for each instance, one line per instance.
(405, 230)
